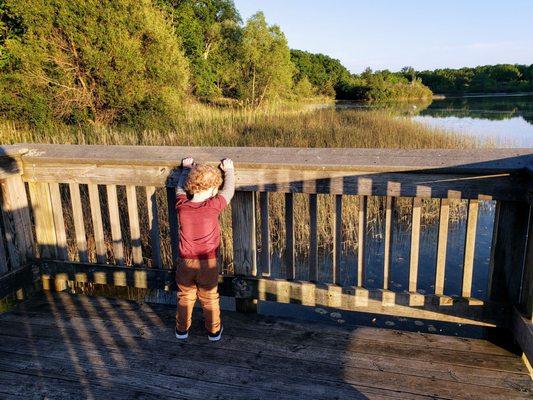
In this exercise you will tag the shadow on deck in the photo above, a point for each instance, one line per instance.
(65, 346)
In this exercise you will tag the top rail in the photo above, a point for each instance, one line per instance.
(487, 174)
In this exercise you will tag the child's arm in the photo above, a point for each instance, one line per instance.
(228, 189)
(186, 164)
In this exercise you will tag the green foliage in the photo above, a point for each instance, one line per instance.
(265, 69)
(210, 32)
(483, 79)
(326, 74)
(93, 61)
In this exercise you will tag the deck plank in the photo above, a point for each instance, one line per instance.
(116, 341)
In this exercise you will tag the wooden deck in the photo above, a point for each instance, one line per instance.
(61, 346)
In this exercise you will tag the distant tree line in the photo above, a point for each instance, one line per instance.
(501, 78)
(141, 62)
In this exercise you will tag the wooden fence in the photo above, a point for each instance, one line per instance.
(42, 182)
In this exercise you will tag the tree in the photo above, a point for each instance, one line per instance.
(209, 31)
(266, 65)
(98, 62)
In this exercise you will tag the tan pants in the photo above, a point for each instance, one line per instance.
(198, 278)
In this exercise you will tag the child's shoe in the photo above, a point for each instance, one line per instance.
(181, 335)
(214, 337)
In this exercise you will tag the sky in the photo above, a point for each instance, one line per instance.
(391, 34)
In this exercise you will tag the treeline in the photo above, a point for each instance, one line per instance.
(501, 78)
(141, 61)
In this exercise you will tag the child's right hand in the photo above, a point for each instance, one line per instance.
(226, 164)
(187, 162)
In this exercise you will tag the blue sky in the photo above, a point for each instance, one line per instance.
(391, 34)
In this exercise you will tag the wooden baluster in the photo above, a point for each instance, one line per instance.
(79, 225)
(470, 244)
(135, 230)
(442, 244)
(98, 227)
(337, 239)
(289, 232)
(59, 222)
(4, 267)
(17, 221)
(153, 226)
(526, 296)
(361, 240)
(43, 214)
(313, 230)
(509, 245)
(244, 236)
(265, 234)
(415, 244)
(114, 221)
(173, 225)
(388, 237)
(9, 240)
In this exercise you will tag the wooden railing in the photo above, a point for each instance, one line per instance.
(112, 196)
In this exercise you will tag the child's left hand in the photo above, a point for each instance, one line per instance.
(187, 162)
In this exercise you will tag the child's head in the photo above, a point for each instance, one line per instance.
(203, 177)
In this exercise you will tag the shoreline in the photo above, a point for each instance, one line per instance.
(496, 94)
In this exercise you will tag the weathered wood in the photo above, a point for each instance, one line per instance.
(361, 239)
(509, 251)
(435, 185)
(17, 221)
(487, 174)
(440, 271)
(265, 234)
(413, 305)
(153, 226)
(313, 235)
(389, 208)
(4, 266)
(290, 253)
(173, 225)
(470, 244)
(43, 214)
(526, 298)
(289, 355)
(98, 227)
(337, 240)
(244, 236)
(415, 244)
(114, 221)
(79, 224)
(60, 272)
(450, 160)
(8, 239)
(59, 222)
(135, 229)
(522, 328)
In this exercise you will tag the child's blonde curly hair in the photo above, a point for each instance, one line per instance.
(202, 177)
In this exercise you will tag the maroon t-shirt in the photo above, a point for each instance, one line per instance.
(199, 226)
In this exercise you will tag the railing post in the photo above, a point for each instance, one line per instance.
(244, 241)
(511, 227)
(17, 221)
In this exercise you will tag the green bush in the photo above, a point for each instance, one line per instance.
(96, 62)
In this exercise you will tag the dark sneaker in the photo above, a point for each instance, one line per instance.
(213, 337)
(181, 335)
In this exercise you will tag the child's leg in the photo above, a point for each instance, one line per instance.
(186, 281)
(208, 294)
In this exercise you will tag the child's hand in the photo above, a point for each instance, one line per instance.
(226, 164)
(187, 162)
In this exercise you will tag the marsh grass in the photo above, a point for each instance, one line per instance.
(285, 126)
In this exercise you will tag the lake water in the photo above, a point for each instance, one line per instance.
(505, 120)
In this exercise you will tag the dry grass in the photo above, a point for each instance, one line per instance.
(290, 126)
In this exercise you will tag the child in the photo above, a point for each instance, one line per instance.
(197, 273)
